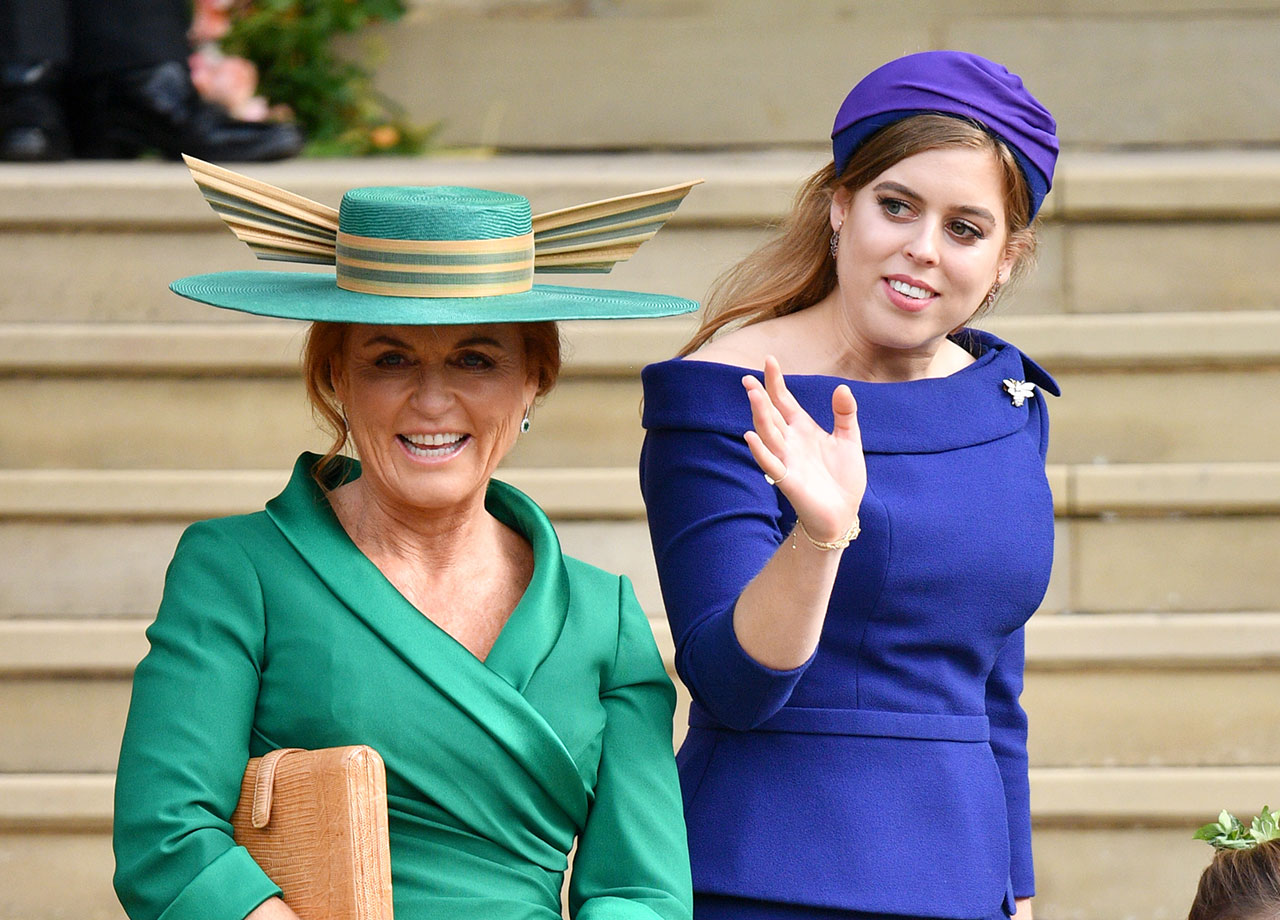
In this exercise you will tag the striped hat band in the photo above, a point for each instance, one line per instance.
(428, 255)
(434, 268)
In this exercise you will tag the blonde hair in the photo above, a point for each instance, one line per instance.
(794, 269)
(324, 345)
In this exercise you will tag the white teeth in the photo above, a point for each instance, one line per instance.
(433, 445)
(909, 290)
(433, 440)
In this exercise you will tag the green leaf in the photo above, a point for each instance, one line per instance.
(1266, 826)
(1224, 834)
(1229, 833)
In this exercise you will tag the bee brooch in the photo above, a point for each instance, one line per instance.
(1019, 390)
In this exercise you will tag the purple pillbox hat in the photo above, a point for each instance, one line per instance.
(952, 83)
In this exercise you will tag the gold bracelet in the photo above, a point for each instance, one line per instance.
(839, 542)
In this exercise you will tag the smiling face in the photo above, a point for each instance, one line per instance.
(433, 409)
(920, 246)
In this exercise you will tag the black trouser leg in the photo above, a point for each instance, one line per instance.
(35, 49)
(33, 31)
(110, 36)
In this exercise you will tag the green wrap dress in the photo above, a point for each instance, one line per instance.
(276, 631)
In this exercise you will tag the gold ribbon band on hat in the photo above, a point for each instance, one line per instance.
(434, 268)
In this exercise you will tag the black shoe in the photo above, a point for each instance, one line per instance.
(32, 126)
(157, 108)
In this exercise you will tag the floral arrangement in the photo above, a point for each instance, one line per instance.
(229, 81)
(1229, 832)
(247, 52)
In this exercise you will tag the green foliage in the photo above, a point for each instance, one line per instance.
(1229, 833)
(333, 98)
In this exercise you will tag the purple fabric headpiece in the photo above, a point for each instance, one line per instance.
(952, 83)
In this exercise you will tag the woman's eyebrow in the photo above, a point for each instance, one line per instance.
(478, 340)
(393, 342)
(980, 213)
(386, 340)
(969, 210)
(899, 189)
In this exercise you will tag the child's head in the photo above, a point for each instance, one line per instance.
(1243, 881)
(1240, 885)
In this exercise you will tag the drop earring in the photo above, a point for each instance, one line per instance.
(990, 299)
(524, 422)
(835, 243)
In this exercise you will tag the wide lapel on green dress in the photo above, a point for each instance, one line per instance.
(490, 692)
(535, 625)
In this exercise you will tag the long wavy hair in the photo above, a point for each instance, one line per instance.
(325, 342)
(794, 269)
(1240, 885)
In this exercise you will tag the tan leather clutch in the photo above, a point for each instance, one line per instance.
(316, 822)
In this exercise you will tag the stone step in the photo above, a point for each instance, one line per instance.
(271, 347)
(1111, 843)
(1138, 389)
(724, 72)
(1133, 690)
(1123, 232)
(1159, 538)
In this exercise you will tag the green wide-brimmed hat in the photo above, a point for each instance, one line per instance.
(428, 255)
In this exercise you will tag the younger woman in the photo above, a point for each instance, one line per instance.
(848, 582)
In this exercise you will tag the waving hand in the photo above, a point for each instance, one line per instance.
(822, 473)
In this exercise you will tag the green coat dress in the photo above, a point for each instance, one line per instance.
(276, 631)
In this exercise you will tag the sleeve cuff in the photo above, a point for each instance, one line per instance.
(611, 908)
(229, 888)
(1024, 882)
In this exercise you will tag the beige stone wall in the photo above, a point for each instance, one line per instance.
(1152, 664)
(714, 73)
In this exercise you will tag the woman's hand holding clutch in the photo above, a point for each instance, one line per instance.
(272, 909)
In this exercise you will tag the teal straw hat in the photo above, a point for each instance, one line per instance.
(435, 255)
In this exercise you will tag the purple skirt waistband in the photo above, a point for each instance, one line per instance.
(925, 726)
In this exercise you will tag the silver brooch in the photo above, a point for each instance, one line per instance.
(1019, 390)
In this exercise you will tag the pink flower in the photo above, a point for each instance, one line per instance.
(228, 81)
(255, 108)
(210, 20)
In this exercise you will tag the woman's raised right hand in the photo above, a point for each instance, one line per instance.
(822, 473)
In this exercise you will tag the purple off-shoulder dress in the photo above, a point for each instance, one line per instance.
(887, 774)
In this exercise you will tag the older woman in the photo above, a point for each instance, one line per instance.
(410, 601)
(847, 584)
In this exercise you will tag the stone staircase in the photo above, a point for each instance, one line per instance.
(126, 412)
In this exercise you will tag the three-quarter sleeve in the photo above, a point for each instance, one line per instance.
(186, 741)
(633, 859)
(714, 523)
(1009, 743)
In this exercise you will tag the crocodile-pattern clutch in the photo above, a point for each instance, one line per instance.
(316, 822)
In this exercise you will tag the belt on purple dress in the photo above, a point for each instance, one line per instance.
(872, 723)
